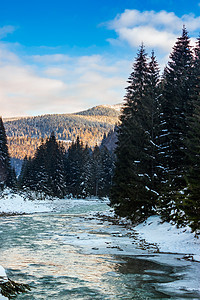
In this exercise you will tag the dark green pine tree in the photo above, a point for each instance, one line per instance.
(176, 107)
(7, 175)
(86, 173)
(131, 193)
(26, 178)
(191, 195)
(22, 172)
(97, 173)
(74, 168)
(54, 162)
(154, 96)
(190, 203)
(41, 176)
(12, 178)
(107, 159)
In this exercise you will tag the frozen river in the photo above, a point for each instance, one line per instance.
(71, 254)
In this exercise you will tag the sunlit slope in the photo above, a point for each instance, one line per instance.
(24, 134)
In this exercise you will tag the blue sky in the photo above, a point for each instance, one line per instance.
(63, 56)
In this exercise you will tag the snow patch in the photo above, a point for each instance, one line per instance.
(169, 238)
(13, 203)
(117, 107)
(3, 276)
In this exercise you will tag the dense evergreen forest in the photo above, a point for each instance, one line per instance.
(158, 153)
(7, 173)
(79, 172)
(147, 164)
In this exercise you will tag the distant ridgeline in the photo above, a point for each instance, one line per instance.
(24, 134)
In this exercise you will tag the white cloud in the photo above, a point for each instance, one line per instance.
(157, 30)
(58, 83)
(54, 58)
(5, 30)
(131, 18)
(23, 91)
(55, 72)
(6, 56)
(150, 36)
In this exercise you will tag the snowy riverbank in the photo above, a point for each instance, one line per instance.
(169, 238)
(13, 203)
(158, 236)
(166, 237)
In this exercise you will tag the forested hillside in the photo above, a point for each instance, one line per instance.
(24, 134)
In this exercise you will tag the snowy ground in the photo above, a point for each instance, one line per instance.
(13, 203)
(163, 237)
(3, 274)
(169, 238)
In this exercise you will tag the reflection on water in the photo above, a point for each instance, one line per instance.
(36, 249)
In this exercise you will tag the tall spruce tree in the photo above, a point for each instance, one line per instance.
(86, 173)
(131, 193)
(26, 177)
(97, 173)
(154, 96)
(74, 168)
(191, 195)
(176, 107)
(54, 161)
(107, 161)
(7, 175)
(41, 176)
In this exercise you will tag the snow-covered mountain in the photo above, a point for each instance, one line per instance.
(116, 107)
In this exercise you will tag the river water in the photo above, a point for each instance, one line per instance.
(71, 254)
